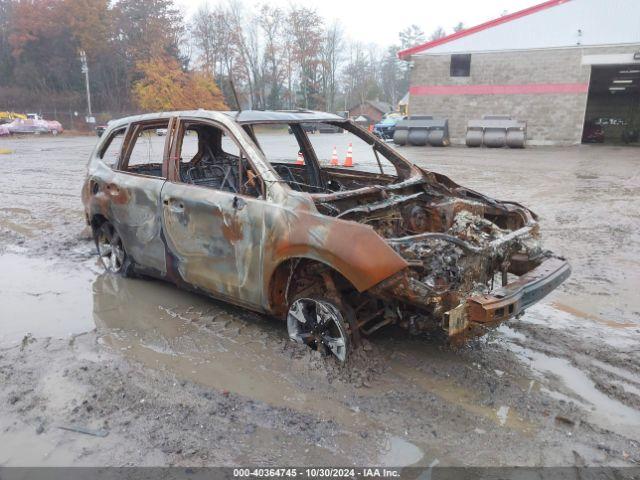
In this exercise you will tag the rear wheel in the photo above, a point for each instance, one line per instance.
(112, 254)
(319, 323)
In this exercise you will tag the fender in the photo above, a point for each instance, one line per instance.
(355, 250)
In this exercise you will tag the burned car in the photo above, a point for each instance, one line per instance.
(269, 223)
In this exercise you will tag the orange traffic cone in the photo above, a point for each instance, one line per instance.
(300, 160)
(334, 157)
(348, 162)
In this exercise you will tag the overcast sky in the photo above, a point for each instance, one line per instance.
(379, 21)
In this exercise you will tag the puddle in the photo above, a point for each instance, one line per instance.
(620, 372)
(618, 335)
(398, 452)
(502, 414)
(461, 397)
(41, 451)
(209, 343)
(601, 410)
(38, 297)
(629, 388)
(162, 327)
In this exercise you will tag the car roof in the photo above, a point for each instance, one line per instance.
(283, 116)
(243, 117)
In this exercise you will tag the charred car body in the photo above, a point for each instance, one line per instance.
(336, 252)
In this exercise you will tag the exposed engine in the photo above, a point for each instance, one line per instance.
(458, 243)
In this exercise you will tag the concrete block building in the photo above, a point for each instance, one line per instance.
(557, 65)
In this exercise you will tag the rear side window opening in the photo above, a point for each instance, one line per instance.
(112, 147)
(145, 149)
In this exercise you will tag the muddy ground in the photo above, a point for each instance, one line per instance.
(159, 376)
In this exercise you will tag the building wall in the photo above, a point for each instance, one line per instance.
(554, 115)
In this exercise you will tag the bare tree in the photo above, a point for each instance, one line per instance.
(271, 21)
(356, 75)
(307, 30)
(216, 44)
(392, 76)
(437, 33)
(289, 58)
(411, 36)
(331, 57)
(244, 33)
(203, 35)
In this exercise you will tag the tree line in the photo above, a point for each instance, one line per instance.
(144, 55)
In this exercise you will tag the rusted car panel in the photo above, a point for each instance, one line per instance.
(515, 297)
(131, 204)
(414, 249)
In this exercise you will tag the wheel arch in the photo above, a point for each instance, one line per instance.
(278, 288)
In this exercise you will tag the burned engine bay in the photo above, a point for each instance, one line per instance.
(460, 246)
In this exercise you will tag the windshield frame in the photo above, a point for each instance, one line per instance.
(406, 171)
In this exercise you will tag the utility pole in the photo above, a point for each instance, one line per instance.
(85, 70)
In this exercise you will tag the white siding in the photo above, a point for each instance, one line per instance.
(601, 22)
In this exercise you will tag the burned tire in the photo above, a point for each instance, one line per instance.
(111, 251)
(320, 324)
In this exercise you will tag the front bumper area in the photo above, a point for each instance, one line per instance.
(509, 301)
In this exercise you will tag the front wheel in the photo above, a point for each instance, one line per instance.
(112, 254)
(319, 324)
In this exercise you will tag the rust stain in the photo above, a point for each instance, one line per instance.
(231, 228)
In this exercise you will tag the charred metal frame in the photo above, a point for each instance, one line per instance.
(417, 250)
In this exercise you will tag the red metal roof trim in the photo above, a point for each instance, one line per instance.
(512, 89)
(402, 54)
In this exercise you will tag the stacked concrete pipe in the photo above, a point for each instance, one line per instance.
(496, 131)
(420, 130)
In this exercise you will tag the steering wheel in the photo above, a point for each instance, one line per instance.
(287, 175)
(335, 185)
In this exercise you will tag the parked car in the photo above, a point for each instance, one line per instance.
(326, 128)
(593, 133)
(55, 127)
(161, 132)
(386, 127)
(100, 129)
(307, 127)
(36, 126)
(337, 253)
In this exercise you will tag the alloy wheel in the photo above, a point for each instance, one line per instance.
(319, 324)
(110, 248)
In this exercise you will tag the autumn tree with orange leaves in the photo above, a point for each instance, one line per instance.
(165, 86)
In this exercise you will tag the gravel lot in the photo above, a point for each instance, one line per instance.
(159, 376)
